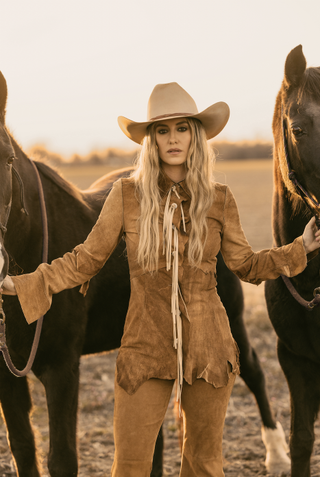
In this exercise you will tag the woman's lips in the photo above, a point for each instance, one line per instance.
(174, 151)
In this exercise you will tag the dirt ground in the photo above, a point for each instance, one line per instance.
(244, 452)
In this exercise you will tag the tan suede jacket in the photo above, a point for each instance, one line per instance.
(146, 349)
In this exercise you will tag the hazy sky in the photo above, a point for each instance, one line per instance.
(74, 66)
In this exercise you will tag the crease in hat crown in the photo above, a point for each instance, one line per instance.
(170, 100)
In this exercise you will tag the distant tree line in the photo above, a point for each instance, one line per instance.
(120, 157)
(243, 149)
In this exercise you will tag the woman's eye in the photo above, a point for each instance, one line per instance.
(182, 129)
(162, 131)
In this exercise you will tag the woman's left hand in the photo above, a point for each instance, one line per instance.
(311, 236)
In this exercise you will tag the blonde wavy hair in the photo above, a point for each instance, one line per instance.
(200, 182)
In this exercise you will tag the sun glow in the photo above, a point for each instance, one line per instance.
(70, 75)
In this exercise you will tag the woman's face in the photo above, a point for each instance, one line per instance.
(173, 137)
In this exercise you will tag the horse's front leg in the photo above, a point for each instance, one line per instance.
(16, 407)
(303, 381)
(62, 386)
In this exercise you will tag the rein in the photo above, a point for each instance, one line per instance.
(306, 197)
(3, 345)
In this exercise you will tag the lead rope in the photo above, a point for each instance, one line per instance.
(170, 229)
(3, 344)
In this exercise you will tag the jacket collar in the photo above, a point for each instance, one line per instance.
(165, 184)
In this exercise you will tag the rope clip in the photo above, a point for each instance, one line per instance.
(316, 291)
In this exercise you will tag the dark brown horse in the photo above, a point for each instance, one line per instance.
(297, 120)
(74, 325)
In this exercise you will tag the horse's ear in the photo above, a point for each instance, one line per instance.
(3, 96)
(295, 67)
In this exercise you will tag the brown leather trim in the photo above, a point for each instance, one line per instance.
(162, 116)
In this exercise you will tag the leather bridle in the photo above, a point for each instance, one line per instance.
(313, 206)
(3, 227)
(3, 345)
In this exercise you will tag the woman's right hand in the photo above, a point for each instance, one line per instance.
(7, 287)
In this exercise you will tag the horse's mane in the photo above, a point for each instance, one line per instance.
(54, 175)
(62, 183)
(310, 86)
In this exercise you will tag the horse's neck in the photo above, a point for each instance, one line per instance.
(21, 239)
(66, 210)
(289, 220)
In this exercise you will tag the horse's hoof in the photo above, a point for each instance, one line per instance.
(277, 460)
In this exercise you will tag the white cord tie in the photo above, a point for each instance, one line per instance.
(170, 229)
(182, 216)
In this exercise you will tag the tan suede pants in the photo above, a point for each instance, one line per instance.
(138, 418)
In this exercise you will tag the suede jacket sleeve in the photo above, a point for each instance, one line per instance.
(254, 267)
(35, 289)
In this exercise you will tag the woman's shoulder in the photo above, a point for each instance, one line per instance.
(127, 184)
(221, 194)
(129, 192)
(221, 190)
(127, 180)
(219, 187)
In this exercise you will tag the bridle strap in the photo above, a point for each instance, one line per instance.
(16, 173)
(3, 227)
(303, 193)
(45, 239)
(306, 197)
(309, 305)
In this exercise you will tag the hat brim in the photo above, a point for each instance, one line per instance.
(213, 120)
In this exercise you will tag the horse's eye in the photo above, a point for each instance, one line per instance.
(297, 131)
(11, 159)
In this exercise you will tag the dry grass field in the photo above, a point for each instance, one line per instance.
(251, 183)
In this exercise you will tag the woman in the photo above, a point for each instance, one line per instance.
(175, 219)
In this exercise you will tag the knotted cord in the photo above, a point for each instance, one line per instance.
(169, 230)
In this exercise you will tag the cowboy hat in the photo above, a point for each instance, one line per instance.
(168, 101)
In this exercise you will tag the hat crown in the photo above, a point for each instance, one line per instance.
(170, 99)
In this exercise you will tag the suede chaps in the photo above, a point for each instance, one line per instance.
(138, 418)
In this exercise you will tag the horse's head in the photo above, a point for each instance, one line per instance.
(298, 108)
(7, 155)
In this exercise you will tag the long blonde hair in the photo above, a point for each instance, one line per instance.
(200, 182)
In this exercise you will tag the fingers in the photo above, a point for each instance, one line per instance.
(316, 230)
(311, 236)
(311, 225)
